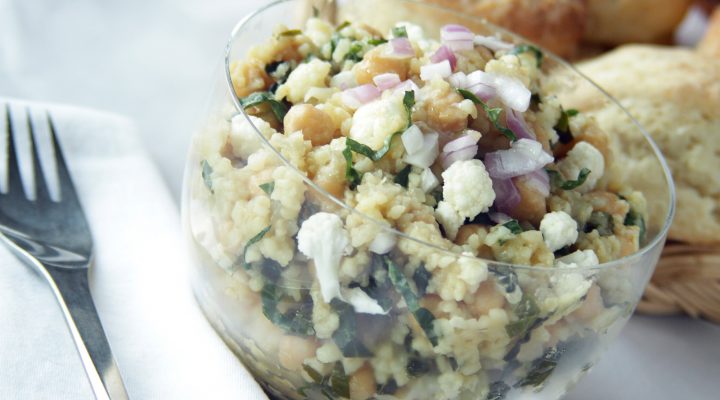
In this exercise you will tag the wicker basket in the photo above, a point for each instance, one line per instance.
(687, 280)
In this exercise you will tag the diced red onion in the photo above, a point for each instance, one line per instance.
(456, 32)
(458, 80)
(427, 155)
(538, 180)
(483, 92)
(512, 92)
(466, 153)
(524, 156)
(444, 53)
(412, 139)
(507, 196)
(406, 86)
(492, 43)
(460, 143)
(344, 80)
(516, 122)
(441, 69)
(459, 45)
(360, 95)
(386, 81)
(499, 218)
(402, 48)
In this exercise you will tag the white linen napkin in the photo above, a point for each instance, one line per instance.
(164, 346)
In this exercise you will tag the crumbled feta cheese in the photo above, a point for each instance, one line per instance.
(580, 258)
(448, 218)
(302, 78)
(426, 156)
(412, 139)
(383, 242)
(468, 188)
(375, 121)
(583, 155)
(323, 238)
(559, 229)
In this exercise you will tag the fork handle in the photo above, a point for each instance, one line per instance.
(72, 290)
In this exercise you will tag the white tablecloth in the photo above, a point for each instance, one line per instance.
(153, 61)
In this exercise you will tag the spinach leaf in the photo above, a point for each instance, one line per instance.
(399, 31)
(557, 181)
(542, 368)
(207, 175)
(525, 48)
(346, 334)
(403, 176)
(514, 226)
(498, 391)
(562, 127)
(492, 113)
(422, 315)
(601, 221)
(635, 218)
(297, 321)
(278, 108)
(268, 187)
(251, 242)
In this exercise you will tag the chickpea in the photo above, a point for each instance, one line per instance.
(315, 124)
(465, 237)
(249, 76)
(293, 350)
(376, 63)
(532, 205)
(608, 202)
(485, 299)
(362, 383)
(330, 180)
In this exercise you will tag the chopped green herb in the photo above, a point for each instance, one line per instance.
(342, 26)
(351, 174)
(514, 226)
(376, 41)
(563, 125)
(635, 218)
(207, 175)
(315, 12)
(422, 315)
(437, 194)
(295, 322)
(345, 336)
(379, 286)
(557, 180)
(403, 176)
(492, 113)
(314, 375)
(251, 242)
(355, 53)
(268, 187)
(525, 48)
(291, 32)
(399, 31)
(498, 391)
(335, 385)
(278, 108)
(409, 103)
(600, 221)
(542, 368)
(528, 313)
(421, 277)
(505, 276)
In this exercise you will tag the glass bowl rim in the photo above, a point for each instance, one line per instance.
(626, 260)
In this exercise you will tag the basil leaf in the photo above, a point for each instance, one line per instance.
(421, 277)
(291, 32)
(422, 315)
(562, 127)
(297, 321)
(278, 108)
(335, 385)
(251, 242)
(542, 368)
(505, 276)
(355, 53)
(345, 336)
(409, 103)
(342, 26)
(403, 176)
(314, 375)
(339, 382)
(557, 180)
(498, 391)
(514, 226)
(376, 41)
(492, 113)
(268, 187)
(528, 313)
(525, 48)
(399, 31)
(351, 175)
(635, 218)
(600, 221)
(207, 175)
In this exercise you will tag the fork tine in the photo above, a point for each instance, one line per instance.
(67, 188)
(41, 189)
(14, 183)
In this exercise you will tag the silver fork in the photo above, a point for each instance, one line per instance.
(53, 236)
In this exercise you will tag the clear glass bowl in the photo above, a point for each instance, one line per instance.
(490, 343)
